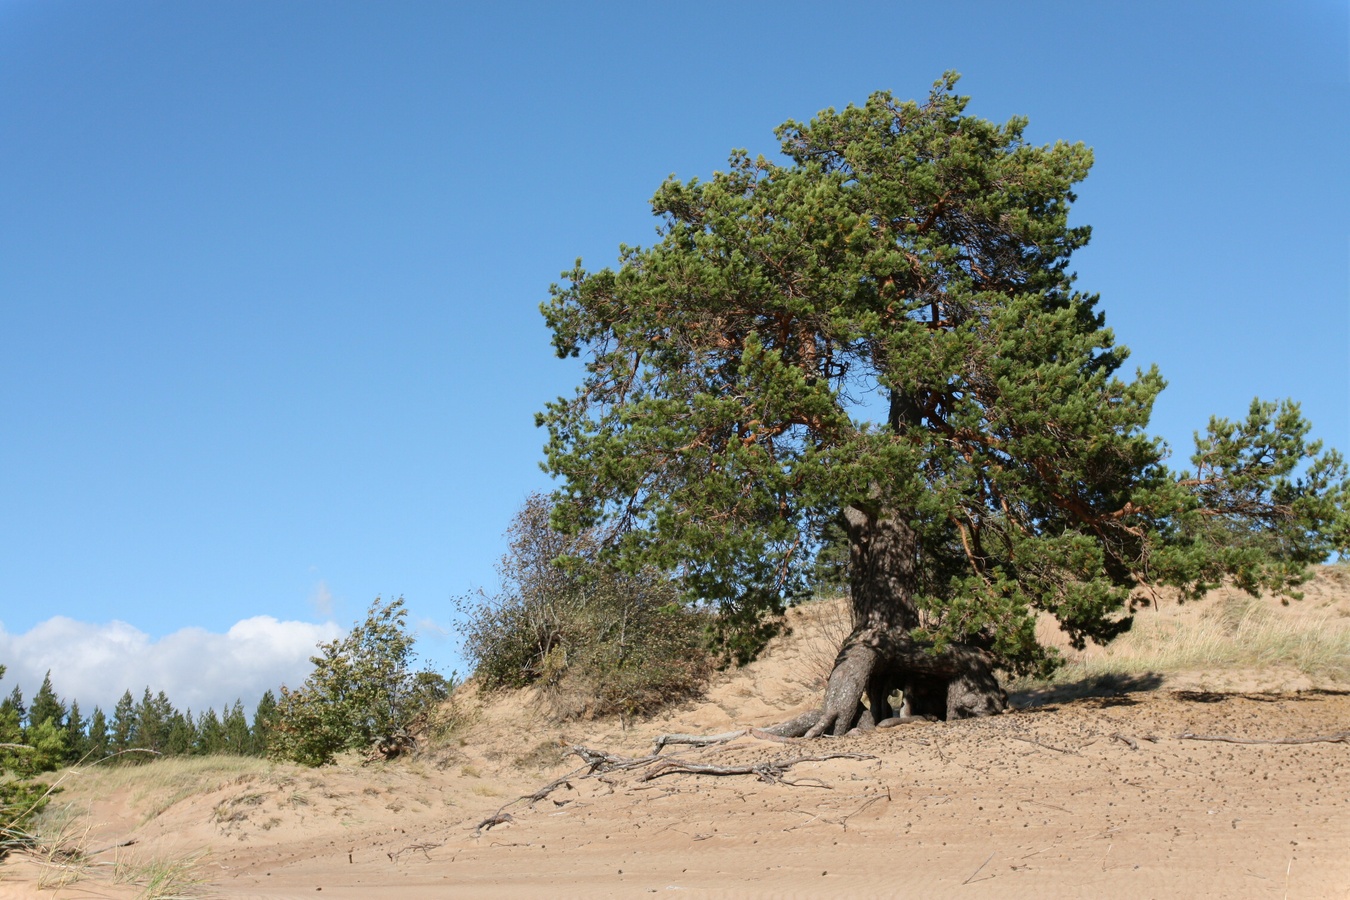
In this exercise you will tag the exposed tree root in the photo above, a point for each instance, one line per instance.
(904, 720)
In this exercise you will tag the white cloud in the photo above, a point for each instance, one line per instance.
(196, 668)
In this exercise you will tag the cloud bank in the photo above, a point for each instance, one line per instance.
(196, 668)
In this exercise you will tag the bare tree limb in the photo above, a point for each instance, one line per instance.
(770, 772)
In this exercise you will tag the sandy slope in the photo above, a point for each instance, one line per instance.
(1041, 802)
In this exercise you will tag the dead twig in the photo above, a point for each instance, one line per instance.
(981, 866)
(1342, 737)
(498, 818)
(1046, 746)
(126, 843)
(422, 847)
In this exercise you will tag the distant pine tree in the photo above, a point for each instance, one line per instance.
(238, 739)
(153, 716)
(264, 722)
(99, 741)
(14, 703)
(47, 707)
(77, 740)
(210, 734)
(181, 739)
(124, 735)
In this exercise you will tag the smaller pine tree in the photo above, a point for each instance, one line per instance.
(124, 735)
(238, 738)
(210, 733)
(77, 738)
(47, 707)
(264, 722)
(99, 740)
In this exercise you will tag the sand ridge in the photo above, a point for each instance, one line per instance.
(1106, 795)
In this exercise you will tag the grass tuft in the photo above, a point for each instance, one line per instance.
(161, 879)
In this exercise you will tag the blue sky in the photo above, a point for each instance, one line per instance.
(269, 272)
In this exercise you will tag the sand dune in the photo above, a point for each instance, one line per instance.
(1107, 795)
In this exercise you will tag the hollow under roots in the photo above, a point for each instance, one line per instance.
(956, 682)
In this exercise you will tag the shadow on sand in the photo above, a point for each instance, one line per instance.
(1114, 689)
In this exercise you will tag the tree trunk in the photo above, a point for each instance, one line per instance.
(879, 657)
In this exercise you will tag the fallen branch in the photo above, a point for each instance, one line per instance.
(770, 772)
(1342, 737)
(598, 764)
(695, 740)
(707, 740)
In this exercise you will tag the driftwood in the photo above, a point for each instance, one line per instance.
(598, 764)
(1342, 737)
(770, 772)
(706, 740)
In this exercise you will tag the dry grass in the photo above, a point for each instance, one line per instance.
(157, 786)
(1235, 632)
(824, 624)
(160, 878)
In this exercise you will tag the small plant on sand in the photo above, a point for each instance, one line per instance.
(594, 640)
(161, 878)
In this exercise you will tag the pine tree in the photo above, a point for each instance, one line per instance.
(880, 328)
(124, 735)
(210, 734)
(77, 739)
(264, 721)
(238, 739)
(182, 734)
(99, 741)
(14, 704)
(46, 707)
(152, 721)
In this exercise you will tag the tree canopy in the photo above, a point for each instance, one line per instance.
(882, 330)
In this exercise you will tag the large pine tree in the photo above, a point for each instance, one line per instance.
(882, 331)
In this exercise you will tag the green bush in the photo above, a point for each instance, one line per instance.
(361, 694)
(595, 641)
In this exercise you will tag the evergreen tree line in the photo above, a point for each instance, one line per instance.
(61, 734)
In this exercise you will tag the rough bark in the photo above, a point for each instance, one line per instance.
(879, 657)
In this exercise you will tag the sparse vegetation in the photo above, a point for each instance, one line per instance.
(1237, 632)
(593, 640)
(161, 878)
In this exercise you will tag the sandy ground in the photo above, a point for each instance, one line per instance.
(1101, 796)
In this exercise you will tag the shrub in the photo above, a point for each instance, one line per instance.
(361, 693)
(594, 640)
